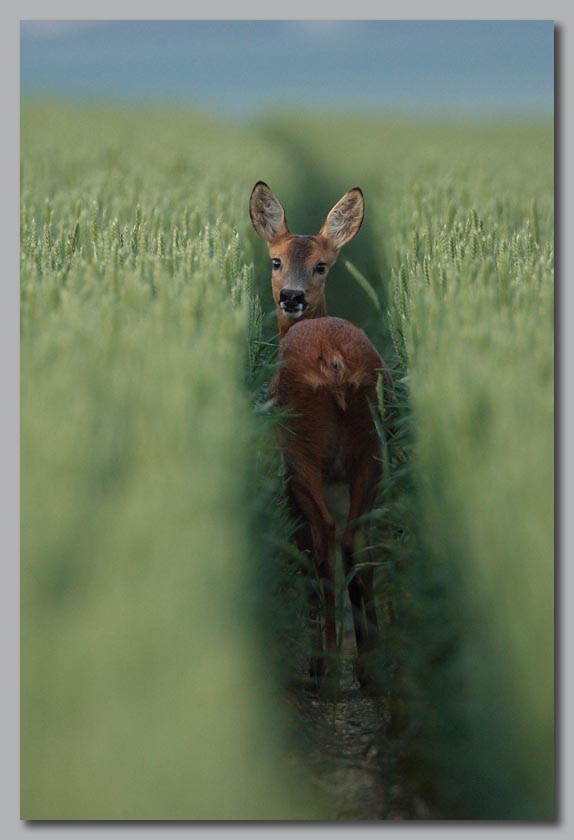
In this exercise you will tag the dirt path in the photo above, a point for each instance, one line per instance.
(344, 758)
(345, 737)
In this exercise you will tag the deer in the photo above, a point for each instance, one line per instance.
(327, 383)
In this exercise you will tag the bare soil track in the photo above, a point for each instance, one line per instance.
(346, 745)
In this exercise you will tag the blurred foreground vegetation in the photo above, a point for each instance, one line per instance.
(161, 617)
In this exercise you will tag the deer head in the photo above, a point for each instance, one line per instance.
(300, 264)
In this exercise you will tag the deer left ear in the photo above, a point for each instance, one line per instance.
(345, 219)
(267, 214)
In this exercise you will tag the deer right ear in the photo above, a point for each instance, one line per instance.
(266, 213)
(345, 218)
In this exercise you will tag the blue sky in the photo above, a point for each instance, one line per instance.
(458, 68)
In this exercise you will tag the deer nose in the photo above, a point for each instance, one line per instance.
(292, 297)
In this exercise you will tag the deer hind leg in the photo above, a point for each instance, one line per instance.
(304, 542)
(363, 489)
(307, 497)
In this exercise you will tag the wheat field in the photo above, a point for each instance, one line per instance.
(161, 611)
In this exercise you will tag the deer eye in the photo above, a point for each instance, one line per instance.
(276, 264)
(321, 267)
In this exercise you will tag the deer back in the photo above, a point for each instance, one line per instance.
(327, 381)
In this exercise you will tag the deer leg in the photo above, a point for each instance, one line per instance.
(304, 542)
(363, 489)
(368, 575)
(325, 541)
(308, 498)
(356, 591)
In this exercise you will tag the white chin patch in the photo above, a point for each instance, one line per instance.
(296, 314)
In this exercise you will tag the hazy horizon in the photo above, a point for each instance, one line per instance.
(238, 68)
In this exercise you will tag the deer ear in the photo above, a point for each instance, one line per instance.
(266, 213)
(345, 219)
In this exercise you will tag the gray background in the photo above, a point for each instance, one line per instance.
(9, 418)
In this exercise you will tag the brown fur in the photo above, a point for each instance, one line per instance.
(327, 381)
(300, 255)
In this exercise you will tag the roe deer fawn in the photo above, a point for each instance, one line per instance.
(327, 381)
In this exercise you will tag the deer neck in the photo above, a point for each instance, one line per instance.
(285, 323)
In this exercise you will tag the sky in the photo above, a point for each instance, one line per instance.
(239, 68)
